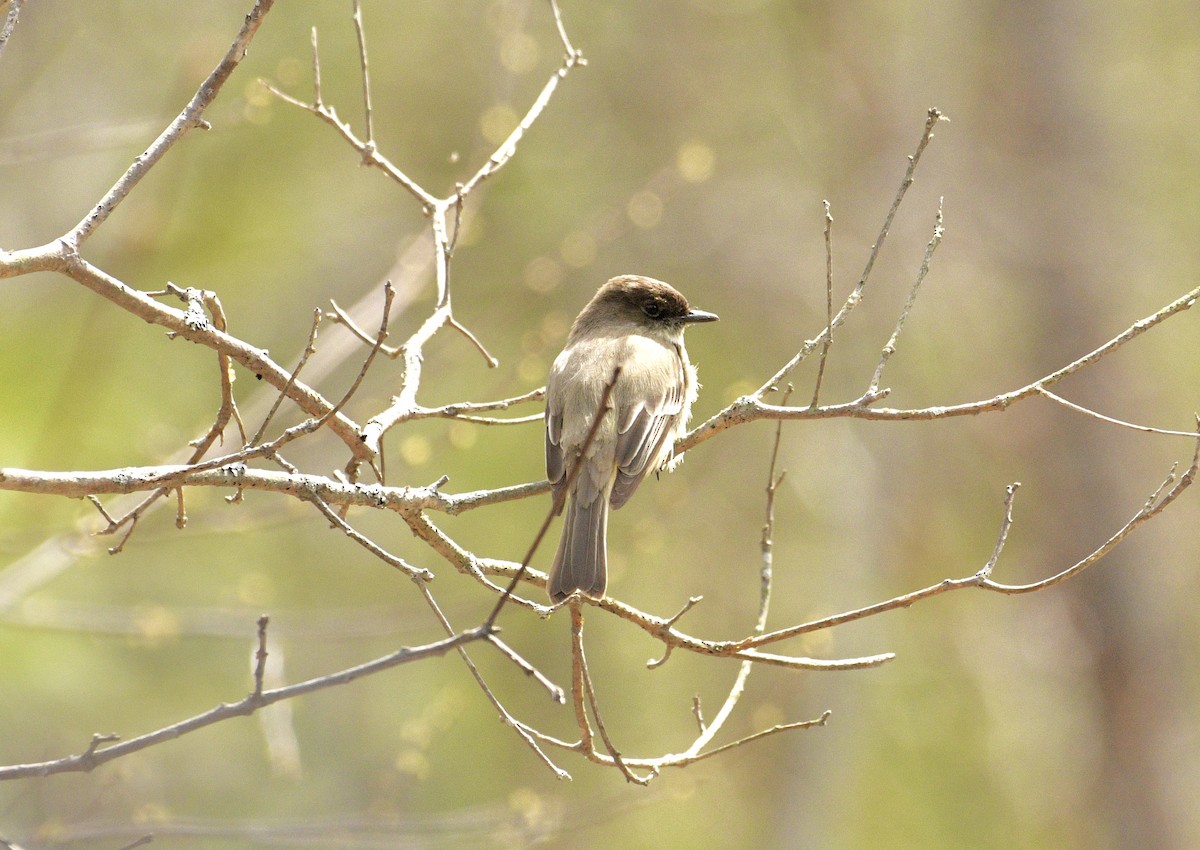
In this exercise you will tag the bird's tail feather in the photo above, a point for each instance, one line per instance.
(581, 562)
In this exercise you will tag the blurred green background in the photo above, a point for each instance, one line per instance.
(696, 146)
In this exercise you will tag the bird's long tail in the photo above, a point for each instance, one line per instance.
(581, 562)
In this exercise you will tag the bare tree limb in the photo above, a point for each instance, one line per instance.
(189, 118)
(856, 295)
(96, 755)
(751, 408)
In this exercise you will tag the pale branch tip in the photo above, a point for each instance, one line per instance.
(889, 347)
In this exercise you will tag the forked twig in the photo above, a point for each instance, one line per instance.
(96, 755)
(585, 679)
(856, 295)
(309, 350)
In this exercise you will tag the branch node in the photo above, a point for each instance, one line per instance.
(260, 657)
(665, 629)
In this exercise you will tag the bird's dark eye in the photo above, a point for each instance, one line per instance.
(653, 308)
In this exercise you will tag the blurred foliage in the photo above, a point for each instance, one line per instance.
(696, 146)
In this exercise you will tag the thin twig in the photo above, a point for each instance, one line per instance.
(366, 542)
(366, 73)
(461, 328)
(389, 293)
(1006, 522)
(187, 119)
(590, 690)
(95, 755)
(1089, 412)
(556, 693)
(856, 295)
(578, 689)
(260, 655)
(341, 317)
(825, 346)
(890, 348)
(144, 840)
(180, 511)
(309, 349)
(562, 30)
(780, 727)
(318, 98)
(505, 715)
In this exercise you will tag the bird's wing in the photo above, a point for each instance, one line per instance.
(569, 418)
(646, 421)
(556, 472)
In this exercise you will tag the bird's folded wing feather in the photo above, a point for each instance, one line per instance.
(643, 428)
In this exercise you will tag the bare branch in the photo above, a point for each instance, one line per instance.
(95, 755)
(828, 305)
(1010, 493)
(1157, 502)
(752, 408)
(309, 350)
(366, 73)
(189, 118)
(318, 99)
(856, 295)
(461, 328)
(890, 348)
(1088, 412)
(508, 147)
(691, 757)
(556, 693)
(260, 655)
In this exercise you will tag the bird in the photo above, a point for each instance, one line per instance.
(633, 329)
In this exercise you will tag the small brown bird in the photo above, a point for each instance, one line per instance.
(635, 323)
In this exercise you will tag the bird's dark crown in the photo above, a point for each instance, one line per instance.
(644, 297)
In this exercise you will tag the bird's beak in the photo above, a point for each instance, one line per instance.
(700, 316)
